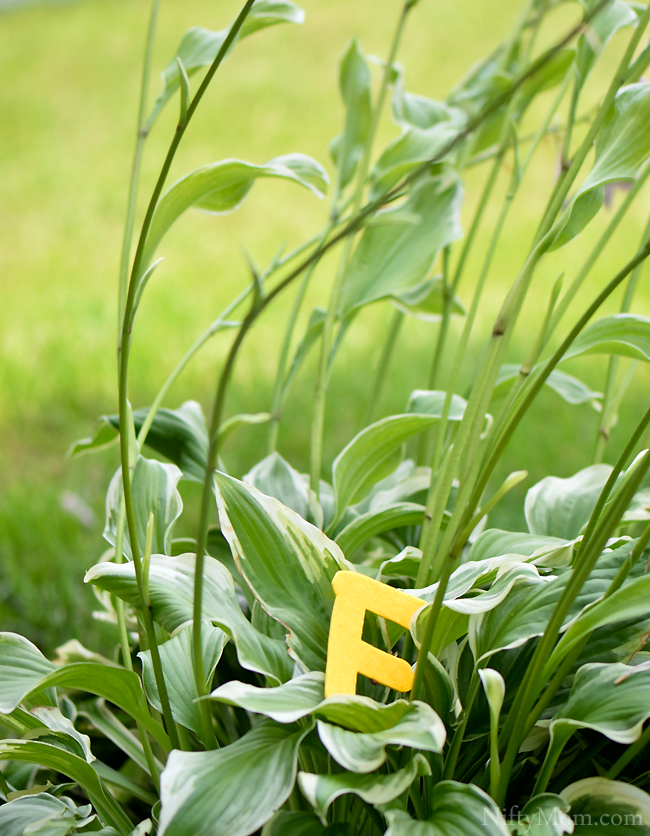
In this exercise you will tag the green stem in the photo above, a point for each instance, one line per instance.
(628, 755)
(595, 254)
(503, 329)
(183, 363)
(397, 319)
(550, 761)
(213, 329)
(583, 565)
(565, 160)
(459, 734)
(471, 317)
(610, 402)
(141, 138)
(202, 536)
(428, 439)
(429, 629)
(320, 396)
(619, 79)
(572, 657)
(123, 352)
(279, 388)
(537, 380)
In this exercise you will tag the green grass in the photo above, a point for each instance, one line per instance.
(68, 99)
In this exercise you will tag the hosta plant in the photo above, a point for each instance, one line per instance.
(531, 686)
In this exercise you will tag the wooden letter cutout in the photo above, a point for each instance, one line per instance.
(347, 653)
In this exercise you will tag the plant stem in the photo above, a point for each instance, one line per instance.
(320, 396)
(141, 138)
(202, 536)
(471, 316)
(123, 354)
(550, 761)
(459, 734)
(610, 402)
(619, 79)
(537, 380)
(396, 321)
(279, 388)
(427, 440)
(183, 362)
(596, 252)
(429, 629)
(531, 684)
(629, 754)
(571, 658)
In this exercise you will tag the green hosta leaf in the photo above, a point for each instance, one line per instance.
(639, 508)
(199, 47)
(103, 437)
(456, 808)
(414, 146)
(287, 703)
(304, 696)
(629, 602)
(275, 477)
(602, 26)
(322, 790)
(374, 523)
(597, 801)
(550, 74)
(525, 611)
(478, 573)
(407, 483)
(178, 434)
(76, 768)
(171, 590)
(545, 815)
(427, 301)
(419, 728)
(221, 187)
(495, 690)
(562, 507)
(428, 402)
(178, 667)
(154, 489)
(622, 147)
(541, 549)
(44, 815)
(244, 419)
(569, 388)
(232, 791)
(354, 81)
(615, 642)
(613, 700)
(107, 723)
(22, 668)
(286, 823)
(390, 261)
(578, 215)
(25, 671)
(56, 722)
(511, 572)
(288, 563)
(627, 335)
(365, 459)
(404, 565)
(413, 111)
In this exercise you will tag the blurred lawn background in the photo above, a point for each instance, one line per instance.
(68, 98)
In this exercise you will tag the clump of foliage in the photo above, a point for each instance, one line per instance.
(531, 685)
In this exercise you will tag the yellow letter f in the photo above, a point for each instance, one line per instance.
(347, 653)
